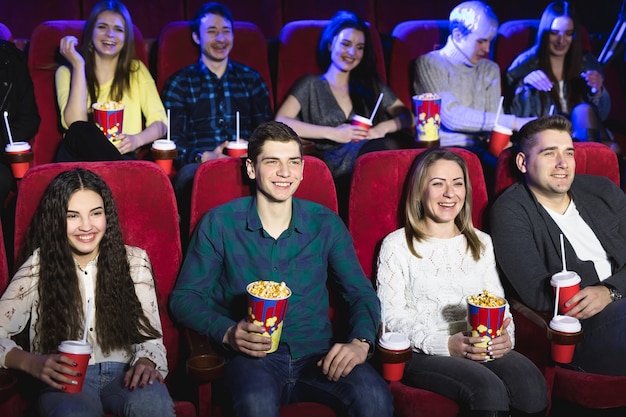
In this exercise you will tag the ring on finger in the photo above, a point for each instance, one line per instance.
(466, 355)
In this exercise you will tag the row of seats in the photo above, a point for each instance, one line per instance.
(379, 176)
(269, 15)
(295, 56)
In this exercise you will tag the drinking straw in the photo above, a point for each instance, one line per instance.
(556, 300)
(168, 124)
(563, 253)
(6, 123)
(551, 112)
(237, 127)
(380, 98)
(499, 110)
(87, 320)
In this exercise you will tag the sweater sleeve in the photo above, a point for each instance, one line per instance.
(62, 78)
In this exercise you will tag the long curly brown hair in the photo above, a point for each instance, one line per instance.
(125, 63)
(120, 320)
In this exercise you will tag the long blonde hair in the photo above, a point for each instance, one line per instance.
(414, 207)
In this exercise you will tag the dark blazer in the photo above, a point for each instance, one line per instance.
(527, 243)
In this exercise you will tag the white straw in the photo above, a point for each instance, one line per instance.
(556, 300)
(551, 112)
(87, 312)
(563, 253)
(6, 123)
(168, 124)
(380, 98)
(499, 110)
(237, 127)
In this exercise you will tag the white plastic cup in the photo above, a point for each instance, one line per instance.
(79, 352)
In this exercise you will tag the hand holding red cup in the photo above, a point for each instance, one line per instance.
(79, 352)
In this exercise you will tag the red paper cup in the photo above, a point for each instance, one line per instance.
(109, 117)
(569, 284)
(500, 137)
(163, 152)
(20, 157)
(267, 312)
(394, 350)
(362, 122)
(427, 108)
(485, 321)
(237, 149)
(79, 352)
(564, 352)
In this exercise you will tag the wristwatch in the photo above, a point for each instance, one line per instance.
(615, 294)
(370, 351)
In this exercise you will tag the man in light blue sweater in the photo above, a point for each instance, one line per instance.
(465, 79)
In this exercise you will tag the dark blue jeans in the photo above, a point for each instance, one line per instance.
(510, 382)
(260, 386)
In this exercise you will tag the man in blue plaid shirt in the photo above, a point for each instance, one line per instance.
(204, 98)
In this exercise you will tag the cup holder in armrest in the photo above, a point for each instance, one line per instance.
(8, 381)
(205, 368)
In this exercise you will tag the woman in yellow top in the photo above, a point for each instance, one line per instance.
(104, 69)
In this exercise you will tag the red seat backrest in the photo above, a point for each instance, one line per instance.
(266, 14)
(377, 195)
(147, 222)
(222, 180)
(149, 16)
(43, 60)
(176, 50)
(409, 41)
(4, 263)
(591, 158)
(300, 10)
(297, 54)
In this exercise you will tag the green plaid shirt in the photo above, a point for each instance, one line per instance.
(230, 249)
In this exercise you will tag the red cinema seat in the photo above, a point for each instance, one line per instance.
(43, 60)
(147, 222)
(297, 54)
(324, 9)
(376, 209)
(410, 40)
(591, 158)
(150, 16)
(266, 14)
(176, 50)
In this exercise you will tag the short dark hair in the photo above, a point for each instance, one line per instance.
(528, 133)
(210, 8)
(271, 130)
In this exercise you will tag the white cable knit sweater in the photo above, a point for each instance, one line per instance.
(424, 298)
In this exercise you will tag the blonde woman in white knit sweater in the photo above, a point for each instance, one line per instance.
(425, 270)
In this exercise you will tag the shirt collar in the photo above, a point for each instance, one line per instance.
(203, 69)
(298, 223)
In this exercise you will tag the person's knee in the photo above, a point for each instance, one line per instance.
(371, 395)
(255, 402)
(150, 401)
(489, 396)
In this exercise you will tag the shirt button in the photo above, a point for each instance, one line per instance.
(86, 273)
(275, 268)
(221, 122)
